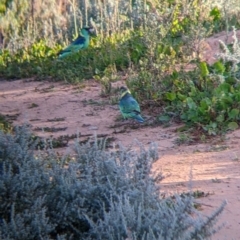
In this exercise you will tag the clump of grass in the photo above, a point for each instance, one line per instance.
(5, 125)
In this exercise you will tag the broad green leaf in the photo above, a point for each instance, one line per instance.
(228, 100)
(237, 96)
(231, 80)
(215, 13)
(171, 96)
(219, 67)
(160, 48)
(213, 125)
(175, 74)
(193, 116)
(191, 104)
(181, 96)
(205, 103)
(184, 116)
(225, 87)
(232, 126)
(203, 69)
(233, 113)
(220, 118)
(211, 128)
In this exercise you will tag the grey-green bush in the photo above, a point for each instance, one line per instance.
(98, 194)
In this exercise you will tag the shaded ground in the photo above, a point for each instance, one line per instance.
(60, 109)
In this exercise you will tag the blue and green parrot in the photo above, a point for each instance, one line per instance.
(128, 105)
(81, 42)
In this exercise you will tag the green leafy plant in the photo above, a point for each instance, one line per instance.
(206, 102)
(36, 60)
(5, 125)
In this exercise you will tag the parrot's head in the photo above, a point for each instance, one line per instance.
(124, 90)
(87, 31)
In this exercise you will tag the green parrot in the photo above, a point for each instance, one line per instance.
(128, 105)
(81, 42)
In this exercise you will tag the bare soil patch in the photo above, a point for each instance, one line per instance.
(59, 109)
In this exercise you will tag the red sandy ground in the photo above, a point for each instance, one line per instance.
(215, 164)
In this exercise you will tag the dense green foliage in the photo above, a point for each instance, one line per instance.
(205, 99)
(95, 195)
(151, 42)
(41, 61)
(4, 4)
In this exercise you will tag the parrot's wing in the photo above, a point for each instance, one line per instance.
(132, 105)
(75, 45)
(130, 108)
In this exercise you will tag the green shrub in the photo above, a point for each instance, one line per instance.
(36, 60)
(208, 97)
(95, 195)
(41, 61)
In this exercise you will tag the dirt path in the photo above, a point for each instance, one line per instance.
(66, 109)
(215, 171)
